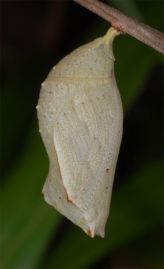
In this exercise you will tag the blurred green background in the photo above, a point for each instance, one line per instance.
(36, 35)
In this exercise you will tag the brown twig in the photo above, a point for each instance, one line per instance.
(125, 24)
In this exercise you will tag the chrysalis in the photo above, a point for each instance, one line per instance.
(80, 119)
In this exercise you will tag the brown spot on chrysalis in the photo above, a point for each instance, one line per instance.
(90, 232)
(69, 200)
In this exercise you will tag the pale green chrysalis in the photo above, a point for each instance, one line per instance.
(80, 120)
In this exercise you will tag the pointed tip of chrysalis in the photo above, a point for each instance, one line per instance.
(92, 231)
(108, 40)
(110, 35)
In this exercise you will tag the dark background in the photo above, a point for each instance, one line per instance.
(35, 35)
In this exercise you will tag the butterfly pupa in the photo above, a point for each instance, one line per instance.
(80, 120)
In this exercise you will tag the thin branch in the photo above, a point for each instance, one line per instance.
(125, 24)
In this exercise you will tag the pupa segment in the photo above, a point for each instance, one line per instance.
(80, 120)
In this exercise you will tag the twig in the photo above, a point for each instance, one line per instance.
(125, 24)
